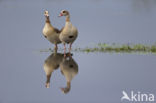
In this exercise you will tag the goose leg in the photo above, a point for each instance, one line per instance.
(70, 45)
(55, 47)
(64, 50)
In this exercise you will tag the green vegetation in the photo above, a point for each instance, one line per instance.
(124, 48)
(114, 48)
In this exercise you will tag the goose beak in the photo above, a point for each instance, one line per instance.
(60, 15)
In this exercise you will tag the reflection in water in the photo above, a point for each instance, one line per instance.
(68, 66)
(52, 63)
(69, 69)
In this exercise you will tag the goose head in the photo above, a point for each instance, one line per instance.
(64, 13)
(66, 89)
(46, 14)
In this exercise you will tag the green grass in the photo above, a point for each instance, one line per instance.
(113, 48)
(119, 48)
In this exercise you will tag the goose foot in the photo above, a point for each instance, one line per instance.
(70, 55)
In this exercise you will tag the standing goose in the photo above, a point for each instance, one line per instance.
(49, 32)
(68, 33)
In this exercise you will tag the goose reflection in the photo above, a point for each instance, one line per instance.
(69, 68)
(51, 64)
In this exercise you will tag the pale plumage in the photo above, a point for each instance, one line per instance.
(49, 32)
(69, 32)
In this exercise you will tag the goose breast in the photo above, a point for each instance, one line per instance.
(69, 33)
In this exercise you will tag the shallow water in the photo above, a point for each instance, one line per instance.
(101, 77)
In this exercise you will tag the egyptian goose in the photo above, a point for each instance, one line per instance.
(69, 68)
(51, 64)
(49, 32)
(68, 33)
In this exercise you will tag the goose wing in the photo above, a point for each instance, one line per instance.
(57, 30)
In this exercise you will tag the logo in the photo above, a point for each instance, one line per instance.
(137, 97)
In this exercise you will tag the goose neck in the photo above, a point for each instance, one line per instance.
(68, 84)
(47, 20)
(68, 18)
(48, 78)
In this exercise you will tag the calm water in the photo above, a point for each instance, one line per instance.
(100, 77)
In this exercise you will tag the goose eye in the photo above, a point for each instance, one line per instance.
(63, 11)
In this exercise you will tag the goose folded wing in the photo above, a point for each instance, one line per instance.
(57, 30)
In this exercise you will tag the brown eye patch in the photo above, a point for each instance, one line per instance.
(63, 11)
